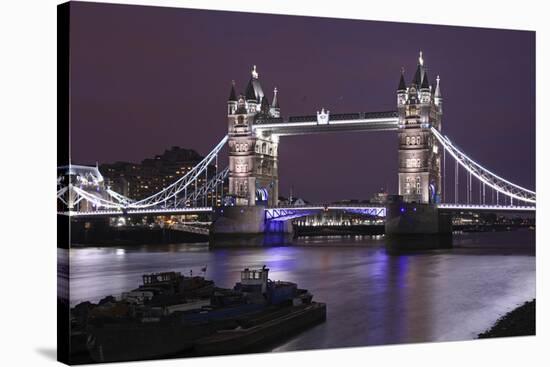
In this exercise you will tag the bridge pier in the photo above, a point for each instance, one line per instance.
(244, 222)
(412, 218)
(413, 226)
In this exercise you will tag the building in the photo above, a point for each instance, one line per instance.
(253, 158)
(140, 180)
(381, 197)
(292, 201)
(419, 107)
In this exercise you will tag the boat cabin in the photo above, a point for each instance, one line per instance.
(255, 280)
(154, 278)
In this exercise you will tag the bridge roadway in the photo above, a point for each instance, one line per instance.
(287, 213)
(300, 125)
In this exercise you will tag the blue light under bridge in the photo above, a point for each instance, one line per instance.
(285, 214)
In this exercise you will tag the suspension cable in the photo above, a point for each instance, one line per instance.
(484, 175)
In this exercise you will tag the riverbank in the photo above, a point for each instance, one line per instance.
(519, 322)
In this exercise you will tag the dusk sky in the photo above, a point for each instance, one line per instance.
(144, 79)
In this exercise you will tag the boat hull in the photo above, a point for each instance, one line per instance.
(254, 338)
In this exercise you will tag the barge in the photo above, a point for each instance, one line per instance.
(175, 315)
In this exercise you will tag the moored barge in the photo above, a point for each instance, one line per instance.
(174, 315)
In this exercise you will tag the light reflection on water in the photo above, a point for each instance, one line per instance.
(373, 296)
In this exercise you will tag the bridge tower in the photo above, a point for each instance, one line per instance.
(253, 157)
(419, 107)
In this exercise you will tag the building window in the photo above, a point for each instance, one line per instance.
(412, 163)
(241, 168)
(408, 140)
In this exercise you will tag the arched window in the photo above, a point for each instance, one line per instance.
(240, 120)
(264, 146)
(418, 140)
(417, 162)
(408, 140)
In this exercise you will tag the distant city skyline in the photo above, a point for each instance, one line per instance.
(144, 79)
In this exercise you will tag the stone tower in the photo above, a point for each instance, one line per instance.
(253, 172)
(419, 107)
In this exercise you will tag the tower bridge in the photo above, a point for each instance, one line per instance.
(255, 128)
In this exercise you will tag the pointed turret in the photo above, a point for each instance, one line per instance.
(232, 100)
(438, 98)
(250, 94)
(402, 90)
(264, 108)
(425, 89)
(425, 82)
(275, 109)
(417, 80)
(402, 86)
(437, 93)
(275, 103)
(232, 94)
(254, 92)
(420, 72)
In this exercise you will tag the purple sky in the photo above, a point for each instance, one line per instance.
(146, 78)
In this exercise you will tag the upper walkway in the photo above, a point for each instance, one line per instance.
(325, 122)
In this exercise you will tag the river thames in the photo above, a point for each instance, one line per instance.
(373, 296)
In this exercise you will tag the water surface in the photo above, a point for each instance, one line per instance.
(373, 296)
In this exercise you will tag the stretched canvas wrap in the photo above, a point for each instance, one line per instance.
(235, 183)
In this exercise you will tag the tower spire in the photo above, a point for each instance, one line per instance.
(437, 93)
(425, 82)
(275, 103)
(402, 85)
(232, 94)
(254, 72)
(420, 59)
(250, 93)
(417, 80)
